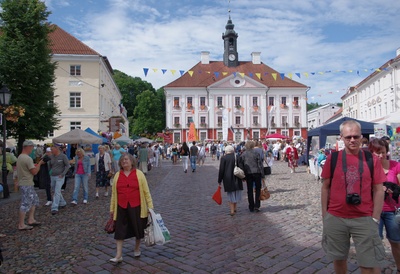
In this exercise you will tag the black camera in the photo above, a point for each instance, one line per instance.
(353, 199)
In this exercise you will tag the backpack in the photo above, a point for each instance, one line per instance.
(368, 158)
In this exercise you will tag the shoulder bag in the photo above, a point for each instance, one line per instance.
(237, 171)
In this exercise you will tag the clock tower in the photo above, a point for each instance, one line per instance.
(230, 45)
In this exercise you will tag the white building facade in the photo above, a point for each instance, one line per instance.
(234, 100)
(376, 98)
(318, 116)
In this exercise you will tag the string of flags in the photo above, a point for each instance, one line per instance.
(275, 76)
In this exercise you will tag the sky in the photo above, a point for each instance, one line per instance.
(337, 43)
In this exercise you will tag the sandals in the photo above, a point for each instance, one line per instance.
(27, 227)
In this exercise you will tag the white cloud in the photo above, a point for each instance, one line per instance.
(293, 36)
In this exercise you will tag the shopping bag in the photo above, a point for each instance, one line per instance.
(264, 195)
(217, 197)
(149, 239)
(161, 233)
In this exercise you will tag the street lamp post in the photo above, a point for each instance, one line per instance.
(5, 96)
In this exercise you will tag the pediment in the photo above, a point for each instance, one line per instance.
(237, 81)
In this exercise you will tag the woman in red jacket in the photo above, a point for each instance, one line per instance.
(130, 202)
(292, 156)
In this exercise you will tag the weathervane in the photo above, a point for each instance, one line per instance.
(229, 8)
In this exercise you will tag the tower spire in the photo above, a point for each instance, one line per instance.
(231, 55)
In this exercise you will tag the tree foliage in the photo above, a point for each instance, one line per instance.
(141, 120)
(130, 87)
(26, 67)
(147, 115)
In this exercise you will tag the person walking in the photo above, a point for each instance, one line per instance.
(194, 151)
(143, 158)
(250, 162)
(292, 156)
(82, 171)
(130, 202)
(391, 168)
(351, 204)
(201, 155)
(116, 154)
(184, 152)
(59, 166)
(233, 186)
(44, 176)
(26, 169)
(103, 168)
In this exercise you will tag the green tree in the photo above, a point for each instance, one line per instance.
(147, 114)
(26, 67)
(130, 87)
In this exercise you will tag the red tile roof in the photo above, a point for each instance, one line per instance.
(61, 42)
(205, 75)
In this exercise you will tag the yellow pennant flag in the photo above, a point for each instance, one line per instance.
(350, 71)
(378, 70)
(190, 73)
(306, 74)
(274, 75)
(258, 75)
(208, 72)
(173, 71)
(290, 75)
(241, 74)
(321, 72)
(155, 70)
(224, 73)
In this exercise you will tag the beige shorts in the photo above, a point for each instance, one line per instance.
(364, 232)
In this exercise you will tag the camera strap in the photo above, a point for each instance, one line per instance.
(360, 167)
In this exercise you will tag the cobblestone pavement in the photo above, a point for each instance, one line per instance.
(283, 238)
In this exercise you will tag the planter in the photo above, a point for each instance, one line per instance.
(177, 125)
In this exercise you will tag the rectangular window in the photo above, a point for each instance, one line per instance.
(189, 102)
(219, 101)
(296, 120)
(255, 101)
(284, 120)
(283, 100)
(237, 101)
(202, 101)
(50, 134)
(273, 119)
(203, 135)
(176, 102)
(202, 119)
(256, 135)
(74, 125)
(75, 100)
(237, 120)
(189, 120)
(75, 70)
(176, 121)
(296, 101)
(285, 132)
(255, 120)
(271, 101)
(219, 121)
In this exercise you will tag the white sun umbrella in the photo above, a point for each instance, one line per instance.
(78, 136)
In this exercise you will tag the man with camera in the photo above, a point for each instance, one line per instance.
(351, 199)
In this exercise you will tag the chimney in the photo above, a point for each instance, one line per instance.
(205, 57)
(256, 58)
(398, 52)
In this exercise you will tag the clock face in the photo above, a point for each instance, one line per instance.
(231, 57)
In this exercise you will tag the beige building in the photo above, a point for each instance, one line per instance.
(234, 100)
(85, 91)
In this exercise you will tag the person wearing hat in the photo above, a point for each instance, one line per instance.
(59, 165)
(26, 169)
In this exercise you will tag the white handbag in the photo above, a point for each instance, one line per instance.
(237, 171)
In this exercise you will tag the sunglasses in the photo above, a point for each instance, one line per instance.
(355, 137)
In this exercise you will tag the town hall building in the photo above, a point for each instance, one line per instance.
(235, 100)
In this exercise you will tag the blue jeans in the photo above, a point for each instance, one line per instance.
(81, 178)
(58, 199)
(185, 160)
(392, 228)
(193, 160)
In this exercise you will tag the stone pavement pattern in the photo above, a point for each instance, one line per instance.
(283, 238)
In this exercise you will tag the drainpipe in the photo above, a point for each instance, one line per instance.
(266, 99)
(208, 111)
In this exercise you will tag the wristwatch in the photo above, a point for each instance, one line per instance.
(375, 220)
